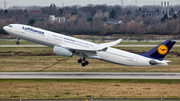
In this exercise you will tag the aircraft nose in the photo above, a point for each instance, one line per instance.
(5, 28)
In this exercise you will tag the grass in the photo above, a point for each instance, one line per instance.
(44, 60)
(143, 43)
(12, 42)
(86, 89)
(167, 81)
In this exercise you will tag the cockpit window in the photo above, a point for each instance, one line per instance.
(10, 26)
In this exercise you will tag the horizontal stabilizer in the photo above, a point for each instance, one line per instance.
(166, 61)
(111, 43)
(154, 62)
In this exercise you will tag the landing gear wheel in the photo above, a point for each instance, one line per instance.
(79, 61)
(17, 43)
(83, 64)
(83, 61)
(86, 62)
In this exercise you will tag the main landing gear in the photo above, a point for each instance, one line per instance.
(17, 42)
(83, 62)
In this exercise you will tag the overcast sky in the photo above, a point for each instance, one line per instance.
(82, 2)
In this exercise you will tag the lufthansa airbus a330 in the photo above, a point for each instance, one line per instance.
(68, 46)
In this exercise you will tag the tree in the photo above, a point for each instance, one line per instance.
(105, 19)
(175, 16)
(31, 22)
(6, 11)
(113, 14)
(80, 16)
(165, 17)
(60, 11)
(157, 10)
(90, 20)
(72, 14)
(128, 13)
(172, 10)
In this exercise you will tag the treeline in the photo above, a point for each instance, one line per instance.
(90, 20)
(96, 27)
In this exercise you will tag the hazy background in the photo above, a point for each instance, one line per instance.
(82, 2)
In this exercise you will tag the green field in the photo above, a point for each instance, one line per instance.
(86, 89)
(44, 60)
(143, 43)
(13, 42)
(30, 59)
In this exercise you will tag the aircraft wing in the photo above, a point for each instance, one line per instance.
(85, 49)
(111, 43)
(103, 47)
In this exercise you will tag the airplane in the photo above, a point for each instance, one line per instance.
(68, 46)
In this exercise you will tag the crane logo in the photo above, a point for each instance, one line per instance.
(162, 49)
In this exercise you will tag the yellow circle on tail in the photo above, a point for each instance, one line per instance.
(162, 49)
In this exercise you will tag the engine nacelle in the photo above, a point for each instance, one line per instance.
(62, 51)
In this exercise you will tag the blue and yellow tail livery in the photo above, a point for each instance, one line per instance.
(160, 51)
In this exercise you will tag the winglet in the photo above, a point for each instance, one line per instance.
(111, 43)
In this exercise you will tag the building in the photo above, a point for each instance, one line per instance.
(147, 14)
(62, 19)
(52, 19)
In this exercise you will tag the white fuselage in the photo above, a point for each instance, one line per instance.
(52, 39)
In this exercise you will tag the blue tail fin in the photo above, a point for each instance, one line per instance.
(160, 51)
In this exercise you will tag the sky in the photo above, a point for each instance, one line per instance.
(59, 3)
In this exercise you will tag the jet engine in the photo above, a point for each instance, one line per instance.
(62, 51)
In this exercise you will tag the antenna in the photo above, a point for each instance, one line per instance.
(63, 5)
(4, 5)
(122, 3)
